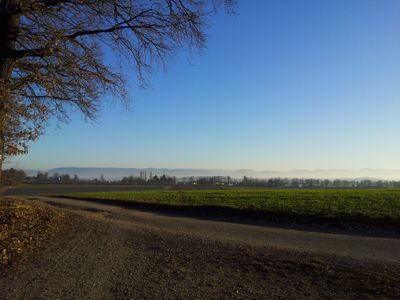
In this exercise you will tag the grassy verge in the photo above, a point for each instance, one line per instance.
(24, 226)
(377, 207)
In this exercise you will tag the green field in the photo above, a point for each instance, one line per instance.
(367, 204)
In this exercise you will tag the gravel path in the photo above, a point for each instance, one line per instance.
(115, 253)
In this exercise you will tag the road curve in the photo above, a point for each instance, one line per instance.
(118, 253)
(379, 248)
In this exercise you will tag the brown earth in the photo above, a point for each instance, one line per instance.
(54, 188)
(115, 253)
(24, 226)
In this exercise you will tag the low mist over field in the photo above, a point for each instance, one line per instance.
(118, 173)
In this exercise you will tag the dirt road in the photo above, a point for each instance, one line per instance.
(117, 253)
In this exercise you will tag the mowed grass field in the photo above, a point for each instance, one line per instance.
(378, 205)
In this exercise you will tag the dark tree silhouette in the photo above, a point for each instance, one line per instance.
(51, 55)
(13, 177)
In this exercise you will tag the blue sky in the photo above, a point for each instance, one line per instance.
(285, 84)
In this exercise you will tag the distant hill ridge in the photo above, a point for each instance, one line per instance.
(118, 173)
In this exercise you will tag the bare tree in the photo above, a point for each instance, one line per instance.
(51, 55)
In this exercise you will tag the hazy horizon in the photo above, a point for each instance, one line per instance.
(289, 85)
(118, 173)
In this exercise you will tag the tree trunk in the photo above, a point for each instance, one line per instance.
(9, 25)
(2, 146)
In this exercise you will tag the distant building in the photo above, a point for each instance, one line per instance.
(143, 175)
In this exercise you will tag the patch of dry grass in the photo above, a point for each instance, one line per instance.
(25, 225)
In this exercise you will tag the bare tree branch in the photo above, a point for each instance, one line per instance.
(51, 55)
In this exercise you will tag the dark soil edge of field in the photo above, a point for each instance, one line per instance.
(361, 225)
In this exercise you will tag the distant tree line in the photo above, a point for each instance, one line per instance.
(210, 180)
(44, 177)
(318, 183)
(12, 177)
(162, 180)
(290, 183)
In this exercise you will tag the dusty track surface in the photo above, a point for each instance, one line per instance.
(46, 189)
(116, 253)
